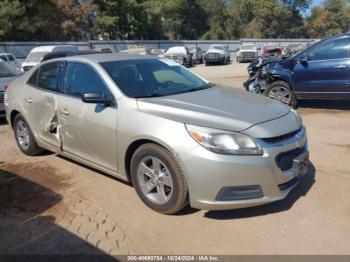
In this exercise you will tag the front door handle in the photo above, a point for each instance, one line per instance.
(64, 112)
(29, 100)
(340, 66)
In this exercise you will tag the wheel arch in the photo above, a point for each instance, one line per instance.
(279, 77)
(131, 150)
(13, 114)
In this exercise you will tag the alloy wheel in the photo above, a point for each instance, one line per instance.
(22, 134)
(155, 180)
(281, 93)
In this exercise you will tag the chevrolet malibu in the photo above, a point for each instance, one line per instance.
(176, 137)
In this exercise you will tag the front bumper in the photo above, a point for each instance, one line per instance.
(208, 173)
(247, 58)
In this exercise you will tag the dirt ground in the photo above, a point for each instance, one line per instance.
(50, 205)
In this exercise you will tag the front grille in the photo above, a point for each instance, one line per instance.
(276, 139)
(172, 57)
(248, 54)
(1, 97)
(213, 55)
(285, 160)
(289, 184)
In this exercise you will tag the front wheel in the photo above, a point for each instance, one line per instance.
(158, 179)
(281, 91)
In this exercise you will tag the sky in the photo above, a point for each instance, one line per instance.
(313, 4)
(316, 2)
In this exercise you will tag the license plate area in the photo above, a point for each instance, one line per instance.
(300, 164)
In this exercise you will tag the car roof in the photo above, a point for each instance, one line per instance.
(106, 57)
(49, 48)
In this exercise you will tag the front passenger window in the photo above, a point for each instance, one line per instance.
(82, 79)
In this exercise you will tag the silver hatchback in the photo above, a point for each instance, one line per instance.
(176, 137)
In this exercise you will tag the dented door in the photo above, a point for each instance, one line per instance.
(41, 100)
(88, 130)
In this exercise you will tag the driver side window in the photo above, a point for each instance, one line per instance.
(82, 79)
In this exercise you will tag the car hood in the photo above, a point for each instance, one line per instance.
(216, 51)
(217, 107)
(175, 53)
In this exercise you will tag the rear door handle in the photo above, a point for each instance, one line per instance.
(29, 100)
(340, 66)
(64, 112)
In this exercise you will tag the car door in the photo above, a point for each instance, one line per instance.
(88, 130)
(324, 71)
(41, 103)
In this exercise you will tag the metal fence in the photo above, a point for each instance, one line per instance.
(21, 49)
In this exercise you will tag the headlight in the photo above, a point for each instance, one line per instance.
(221, 55)
(297, 115)
(224, 142)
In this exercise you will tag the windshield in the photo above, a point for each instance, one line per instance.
(6, 70)
(152, 77)
(247, 47)
(35, 57)
(218, 47)
(178, 49)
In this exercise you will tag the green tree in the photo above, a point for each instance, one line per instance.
(330, 19)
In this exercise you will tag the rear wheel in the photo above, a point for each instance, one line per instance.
(158, 179)
(24, 137)
(281, 91)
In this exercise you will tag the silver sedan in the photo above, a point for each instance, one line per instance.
(176, 137)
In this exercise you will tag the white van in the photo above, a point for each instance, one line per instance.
(37, 53)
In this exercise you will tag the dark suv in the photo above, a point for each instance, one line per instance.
(322, 71)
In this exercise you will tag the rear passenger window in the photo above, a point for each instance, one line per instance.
(34, 78)
(82, 79)
(11, 58)
(49, 76)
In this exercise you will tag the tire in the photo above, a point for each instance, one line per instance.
(152, 168)
(284, 86)
(24, 137)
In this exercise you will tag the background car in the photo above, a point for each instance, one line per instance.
(217, 54)
(271, 50)
(7, 75)
(37, 53)
(247, 53)
(137, 51)
(197, 55)
(322, 71)
(11, 60)
(59, 54)
(179, 54)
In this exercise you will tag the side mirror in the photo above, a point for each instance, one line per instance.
(97, 98)
(303, 59)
